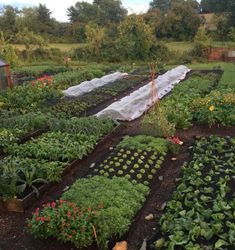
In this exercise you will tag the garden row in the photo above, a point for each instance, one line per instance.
(196, 101)
(43, 159)
(200, 214)
(95, 209)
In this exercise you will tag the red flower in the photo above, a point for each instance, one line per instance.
(175, 140)
(53, 204)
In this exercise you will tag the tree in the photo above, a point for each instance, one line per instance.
(7, 51)
(163, 5)
(215, 6)
(101, 12)
(135, 37)
(181, 21)
(95, 36)
(8, 17)
(45, 22)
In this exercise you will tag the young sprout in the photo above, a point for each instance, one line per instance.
(124, 156)
(111, 163)
(128, 163)
(120, 172)
(132, 171)
(111, 170)
(132, 158)
(121, 160)
(128, 176)
(139, 176)
(106, 167)
(117, 164)
(106, 174)
(124, 167)
(134, 182)
(142, 157)
(136, 166)
(128, 152)
(140, 161)
(150, 161)
(146, 166)
(136, 154)
(153, 171)
(142, 171)
(146, 183)
(150, 176)
(102, 172)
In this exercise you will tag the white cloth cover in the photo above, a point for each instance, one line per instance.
(134, 105)
(88, 86)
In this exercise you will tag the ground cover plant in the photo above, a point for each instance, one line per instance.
(82, 105)
(201, 212)
(136, 158)
(93, 210)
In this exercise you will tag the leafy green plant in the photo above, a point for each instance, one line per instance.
(202, 207)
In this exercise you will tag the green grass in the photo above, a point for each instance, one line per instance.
(180, 47)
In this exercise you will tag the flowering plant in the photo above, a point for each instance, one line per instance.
(43, 81)
(64, 220)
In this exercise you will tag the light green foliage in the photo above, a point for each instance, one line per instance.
(56, 146)
(144, 142)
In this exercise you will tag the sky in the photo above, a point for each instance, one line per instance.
(59, 7)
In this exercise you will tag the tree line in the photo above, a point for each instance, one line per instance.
(174, 19)
(105, 27)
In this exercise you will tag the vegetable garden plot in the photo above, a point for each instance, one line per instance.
(135, 158)
(201, 212)
(44, 159)
(134, 105)
(86, 103)
(88, 86)
(111, 202)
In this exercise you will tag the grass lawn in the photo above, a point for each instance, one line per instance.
(180, 47)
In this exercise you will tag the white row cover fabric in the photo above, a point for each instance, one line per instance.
(134, 105)
(88, 86)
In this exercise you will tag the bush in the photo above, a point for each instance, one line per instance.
(94, 209)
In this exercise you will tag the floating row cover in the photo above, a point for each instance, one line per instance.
(88, 86)
(139, 101)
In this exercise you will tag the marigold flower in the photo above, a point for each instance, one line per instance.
(212, 108)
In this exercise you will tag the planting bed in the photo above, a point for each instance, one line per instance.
(94, 101)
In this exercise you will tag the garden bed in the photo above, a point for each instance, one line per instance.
(29, 196)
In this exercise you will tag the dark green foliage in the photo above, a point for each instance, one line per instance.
(201, 212)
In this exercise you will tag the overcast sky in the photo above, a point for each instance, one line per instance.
(59, 7)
